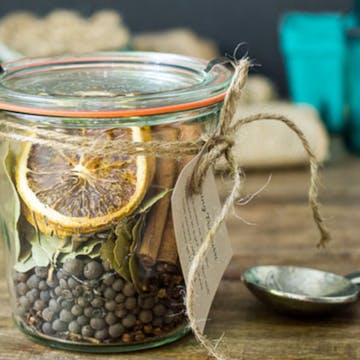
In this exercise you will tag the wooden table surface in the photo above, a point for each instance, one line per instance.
(283, 233)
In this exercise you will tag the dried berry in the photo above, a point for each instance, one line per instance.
(72, 283)
(45, 295)
(74, 327)
(159, 310)
(129, 320)
(119, 298)
(101, 334)
(87, 331)
(130, 303)
(20, 277)
(41, 272)
(108, 279)
(109, 293)
(73, 267)
(116, 330)
(33, 282)
(88, 311)
(66, 315)
(77, 310)
(145, 316)
(126, 338)
(33, 295)
(97, 323)
(110, 318)
(82, 320)
(110, 305)
(39, 305)
(128, 289)
(21, 289)
(54, 305)
(52, 282)
(47, 328)
(59, 325)
(147, 302)
(121, 313)
(48, 314)
(97, 302)
(82, 301)
(118, 284)
(93, 270)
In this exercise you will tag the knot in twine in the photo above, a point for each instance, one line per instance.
(221, 144)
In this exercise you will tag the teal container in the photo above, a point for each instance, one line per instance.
(357, 10)
(352, 133)
(314, 49)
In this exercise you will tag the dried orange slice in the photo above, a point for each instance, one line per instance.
(67, 192)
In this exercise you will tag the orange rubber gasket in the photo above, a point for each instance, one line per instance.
(114, 113)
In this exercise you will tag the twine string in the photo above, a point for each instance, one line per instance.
(211, 149)
(91, 145)
(221, 143)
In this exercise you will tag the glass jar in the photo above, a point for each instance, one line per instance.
(85, 190)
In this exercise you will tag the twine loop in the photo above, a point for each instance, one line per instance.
(220, 144)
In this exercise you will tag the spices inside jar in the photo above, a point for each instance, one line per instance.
(94, 258)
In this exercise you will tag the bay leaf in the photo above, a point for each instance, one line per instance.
(25, 265)
(78, 239)
(90, 248)
(26, 233)
(134, 266)
(67, 245)
(25, 261)
(39, 255)
(9, 199)
(25, 252)
(125, 225)
(137, 232)
(107, 251)
(152, 200)
(10, 166)
(50, 245)
(134, 269)
(5, 236)
(95, 252)
(44, 248)
(121, 251)
(139, 275)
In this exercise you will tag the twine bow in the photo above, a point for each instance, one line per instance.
(221, 144)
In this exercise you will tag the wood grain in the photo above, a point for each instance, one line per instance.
(283, 234)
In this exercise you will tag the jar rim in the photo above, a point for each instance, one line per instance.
(111, 85)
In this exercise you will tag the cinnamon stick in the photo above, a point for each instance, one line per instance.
(191, 132)
(159, 244)
(168, 250)
(165, 177)
(168, 255)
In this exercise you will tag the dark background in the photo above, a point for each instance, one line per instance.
(226, 21)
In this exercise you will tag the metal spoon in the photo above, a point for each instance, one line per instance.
(299, 290)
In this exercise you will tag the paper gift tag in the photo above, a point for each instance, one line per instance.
(193, 216)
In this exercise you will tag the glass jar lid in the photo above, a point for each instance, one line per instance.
(104, 85)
